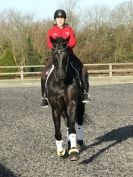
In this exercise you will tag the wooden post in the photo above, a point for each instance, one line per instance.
(110, 70)
(21, 72)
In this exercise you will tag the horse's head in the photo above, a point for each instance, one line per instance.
(60, 56)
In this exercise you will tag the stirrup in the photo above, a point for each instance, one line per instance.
(44, 102)
(86, 97)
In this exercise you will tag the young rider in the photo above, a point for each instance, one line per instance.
(61, 29)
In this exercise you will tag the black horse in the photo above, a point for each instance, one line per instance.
(64, 94)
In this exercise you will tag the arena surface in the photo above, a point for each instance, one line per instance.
(27, 144)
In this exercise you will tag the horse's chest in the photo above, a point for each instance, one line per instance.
(61, 93)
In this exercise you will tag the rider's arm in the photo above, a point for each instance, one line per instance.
(48, 40)
(72, 41)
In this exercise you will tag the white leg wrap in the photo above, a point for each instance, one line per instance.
(79, 131)
(73, 140)
(59, 145)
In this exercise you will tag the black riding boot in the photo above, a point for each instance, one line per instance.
(85, 83)
(83, 75)
(44, 100)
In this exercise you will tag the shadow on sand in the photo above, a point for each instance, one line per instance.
(5, 172)
(116, 136)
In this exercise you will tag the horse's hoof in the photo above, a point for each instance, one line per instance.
(61, 153)
(81, 145)
(74, 154)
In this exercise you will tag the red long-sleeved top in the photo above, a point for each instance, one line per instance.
(64, 32)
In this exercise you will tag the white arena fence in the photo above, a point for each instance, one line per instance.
(94, 70)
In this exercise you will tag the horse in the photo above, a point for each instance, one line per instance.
(64, 94)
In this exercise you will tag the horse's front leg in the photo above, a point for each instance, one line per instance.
(73, 151)
(58, 136)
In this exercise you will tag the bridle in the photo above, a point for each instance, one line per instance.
(59, 51)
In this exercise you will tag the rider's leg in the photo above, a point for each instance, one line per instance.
(83, 75)
(44, 100)
(86, 95)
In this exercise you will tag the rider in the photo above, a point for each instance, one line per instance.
(61, 29)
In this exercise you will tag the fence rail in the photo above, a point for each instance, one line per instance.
(99, 69)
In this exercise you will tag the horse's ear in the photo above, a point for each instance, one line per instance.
(53, 41)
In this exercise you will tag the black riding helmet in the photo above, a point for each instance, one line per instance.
(60, 14)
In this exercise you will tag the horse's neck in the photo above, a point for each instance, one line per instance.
(62, 82)
(56, 78)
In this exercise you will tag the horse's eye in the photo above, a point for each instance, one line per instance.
(54, 53)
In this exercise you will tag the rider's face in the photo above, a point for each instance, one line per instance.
(60, 21)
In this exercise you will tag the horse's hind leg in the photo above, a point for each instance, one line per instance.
(79, 127)
(58, 136)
